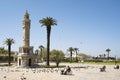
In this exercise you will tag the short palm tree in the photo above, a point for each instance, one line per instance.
(108, 50)
(104, 55)
(71, 52)
(76, 51)
(36, 51)
(48, 22)
(41, 47)
(9, 42)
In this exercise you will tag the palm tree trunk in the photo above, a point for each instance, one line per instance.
(9, 52)
(48, 44)
(76, 57)
(71, 56)
(41, 54)
(108, 55)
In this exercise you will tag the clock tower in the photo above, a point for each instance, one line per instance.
(26, 58)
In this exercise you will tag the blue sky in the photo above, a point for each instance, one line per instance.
(90, 25)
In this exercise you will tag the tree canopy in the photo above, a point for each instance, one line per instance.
(56, 56)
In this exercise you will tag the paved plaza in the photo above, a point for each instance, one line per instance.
(79, 72)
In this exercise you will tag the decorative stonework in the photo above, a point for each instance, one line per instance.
(26, 58)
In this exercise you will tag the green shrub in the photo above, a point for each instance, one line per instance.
(52, 66)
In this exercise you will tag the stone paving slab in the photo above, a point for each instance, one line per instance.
(91, 72)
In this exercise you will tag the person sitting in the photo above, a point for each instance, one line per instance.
(68, 68)
(103, 69)
(116, 67)
(66, 71)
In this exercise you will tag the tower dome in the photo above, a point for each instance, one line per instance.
(26, 15)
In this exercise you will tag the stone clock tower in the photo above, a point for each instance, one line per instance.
(26, 58)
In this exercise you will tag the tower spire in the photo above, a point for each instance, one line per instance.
(26, 15)
(26, 30)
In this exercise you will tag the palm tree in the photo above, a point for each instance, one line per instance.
(108, 50)
(36, 51)
(104, 55)
(76, 50)
(9, 42)
(71, 52)
(41, 50)
(48, 22)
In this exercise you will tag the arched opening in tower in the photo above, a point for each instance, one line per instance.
(29, 62)
(19, 62)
